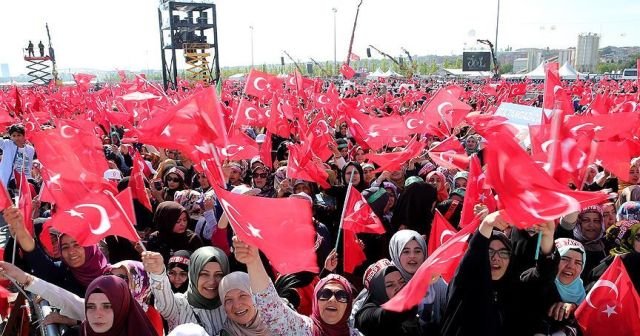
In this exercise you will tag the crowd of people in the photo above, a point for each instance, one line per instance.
(190, 274)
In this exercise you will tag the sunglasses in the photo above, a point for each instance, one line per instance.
(503, 254)
(326, 294)
(260, 175)
(174, 179)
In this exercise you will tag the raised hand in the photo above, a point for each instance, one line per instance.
(153, 262)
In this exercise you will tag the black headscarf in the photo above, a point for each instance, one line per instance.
(362, 185)
(414, 208)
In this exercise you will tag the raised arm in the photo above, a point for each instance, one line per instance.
(165, 302)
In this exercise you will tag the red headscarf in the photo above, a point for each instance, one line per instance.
(320, 328)
(443, 194)
(95, 265)
(128, 316)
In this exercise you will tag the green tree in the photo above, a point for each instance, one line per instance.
(506, 68)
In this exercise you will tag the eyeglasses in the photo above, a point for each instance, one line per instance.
(173, 179)
(503, 254)
(340, 295)
(260, 175)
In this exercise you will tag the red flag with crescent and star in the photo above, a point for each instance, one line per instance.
(97, 216)
(358, 215)
(529, 195)
(282, 229)
(441, 232)
(612, 306)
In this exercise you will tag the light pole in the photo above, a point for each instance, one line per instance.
(495, 44)
(335, 57)
(251, 28)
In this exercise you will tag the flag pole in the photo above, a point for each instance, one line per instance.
(17, 200)
(124, 213)
(344, 208)
(538, 245)
(353, 33)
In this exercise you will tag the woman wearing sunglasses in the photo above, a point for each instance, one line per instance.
(260, 179)
(333, 298)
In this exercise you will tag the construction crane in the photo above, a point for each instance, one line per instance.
(408, 71)
(52, 55)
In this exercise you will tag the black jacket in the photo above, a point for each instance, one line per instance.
(479, 306)
(372, 320)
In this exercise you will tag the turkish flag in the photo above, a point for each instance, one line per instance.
(615, 157)
(83, 80)
(353, 250)
(478, 192)
(354, 57)
(278, 123)
(5, 199)
(450, 154)
(612, 307)
(281, 229)
(136, 182)
(445, 110)
(441, 232)
(240, 146)
(567, 152)
(442, 262)
(529, 195)
(261, 84)
(347, 71)
(555, 97)
(320, 137)
(605, 126)
(265, 150)
(303, 164)
(24, 202)
(395, 160)
(358, 216)
(248, 113)
(97, 216)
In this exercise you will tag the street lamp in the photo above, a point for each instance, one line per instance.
(335, 57)
(495, 44)
(251, 28)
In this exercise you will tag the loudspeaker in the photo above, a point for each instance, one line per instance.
(310, 68)
(401, 60)
(282, 60)
(369, 52)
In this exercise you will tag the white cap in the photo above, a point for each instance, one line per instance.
(112, 174)
(244, 189)
(260, 138)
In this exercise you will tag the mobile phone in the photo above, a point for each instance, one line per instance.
(157, 184)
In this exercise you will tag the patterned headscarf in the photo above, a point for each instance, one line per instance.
(623, 235)
(138, 280)
(321, 328)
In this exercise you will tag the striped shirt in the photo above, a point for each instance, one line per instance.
(176, 309)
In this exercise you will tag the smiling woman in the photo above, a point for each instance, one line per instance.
(242, 314)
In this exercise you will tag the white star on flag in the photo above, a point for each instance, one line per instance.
(254, 231)
(598, 128)
(166, 131)
(74, 213)
(610, 310)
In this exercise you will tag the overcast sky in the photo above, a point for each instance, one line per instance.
(123, 34)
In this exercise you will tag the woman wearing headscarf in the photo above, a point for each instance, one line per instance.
(587, 227)
(485, 295)
(624, 237)
(174, 181)
(408, 250)
(115, 312)
(242, 315)
(383, 281)
(331, 306)
(555, 290)
(260, 177)
(178, 271)
(171, 219)
(78, 265)
(134, 274)
(438, 180)
(472, 144)
(201, 303)
(628, 210)
(188, 329)
(629, 194)
(414, 209)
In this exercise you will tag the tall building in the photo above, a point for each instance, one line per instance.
(520, 65)
(567, 56)
(4, 70)
(587, 52)
(534, 59)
